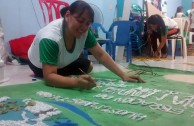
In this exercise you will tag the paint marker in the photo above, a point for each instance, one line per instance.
(85, 73)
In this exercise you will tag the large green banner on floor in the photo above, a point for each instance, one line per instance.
(161, 101)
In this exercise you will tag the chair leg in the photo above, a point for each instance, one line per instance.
(175, 48)
(113, 51)
(108, 48)
(182, 47)
(173, 44)
(190, 37)
(129, 55)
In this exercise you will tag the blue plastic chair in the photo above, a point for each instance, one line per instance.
(137, 15)
(136, 42)
(96, 27)
(122, 37)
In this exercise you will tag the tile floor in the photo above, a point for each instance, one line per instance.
(21, 74)
(179, 63)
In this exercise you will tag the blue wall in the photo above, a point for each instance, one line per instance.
(172, 6)
(187, 5)
(120, 4)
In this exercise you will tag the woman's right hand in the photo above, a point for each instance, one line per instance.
(86, 82)
(156, 54)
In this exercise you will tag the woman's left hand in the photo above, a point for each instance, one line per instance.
(133, 78)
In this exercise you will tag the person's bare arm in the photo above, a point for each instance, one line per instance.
(163, 41)
(53, 79)
(104, 58)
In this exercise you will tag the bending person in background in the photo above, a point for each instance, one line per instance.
(54, 53)
(160, 28)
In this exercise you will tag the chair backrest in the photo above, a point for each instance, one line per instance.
(180, 15)
(97, 27)
(183, 25)
(52, 8)
(186, 23)
(123, 31)
(191, 16)
(179, 22)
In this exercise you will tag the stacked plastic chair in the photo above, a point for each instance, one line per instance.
(137, 15)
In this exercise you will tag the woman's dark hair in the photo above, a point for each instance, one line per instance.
(63, 11)
(156, 20)
(78, 7)
(178, 10)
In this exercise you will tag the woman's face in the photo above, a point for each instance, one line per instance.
(77, 24)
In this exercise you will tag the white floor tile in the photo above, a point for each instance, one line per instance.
(21, 74)
(179, 63)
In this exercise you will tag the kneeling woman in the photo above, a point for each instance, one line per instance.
(54, 53)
